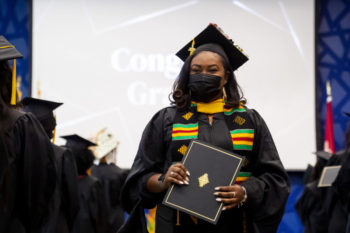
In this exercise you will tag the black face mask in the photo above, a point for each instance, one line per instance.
(204, 87)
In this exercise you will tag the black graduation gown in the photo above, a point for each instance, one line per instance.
(336, 211)
(311, 210)
(267, 188)
(65, 203)
(320, 209)
(342, 186)
(91, 216)
(28, 175)
(309, 206)
(342, 182)
(112, 178)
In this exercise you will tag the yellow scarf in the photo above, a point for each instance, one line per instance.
(215, 106)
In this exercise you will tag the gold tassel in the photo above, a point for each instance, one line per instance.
(245, 229)
(194, 219)
(54, 132)
(192, 48)
(177, 218)
(14, 88)
(38, 93)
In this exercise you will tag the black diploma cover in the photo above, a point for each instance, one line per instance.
(209, 167)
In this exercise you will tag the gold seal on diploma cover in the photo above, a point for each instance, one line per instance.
(203, 180)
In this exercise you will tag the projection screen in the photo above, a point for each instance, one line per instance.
(112, 64)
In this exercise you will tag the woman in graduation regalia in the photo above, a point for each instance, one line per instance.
(91, 217)
(64, 204)
(208, 106)
(27, 169)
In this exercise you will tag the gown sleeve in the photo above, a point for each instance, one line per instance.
(70, 194)
(7, 202)
(36, 171)
(150, 159)
(311, 210)
(97, 207)
(268, 187)
(342, 182)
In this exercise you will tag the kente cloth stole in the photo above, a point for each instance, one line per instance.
(185, 128)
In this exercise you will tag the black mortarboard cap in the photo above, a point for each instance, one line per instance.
(40, 108)
(323, 155)
(347, 113)
(76, 142)
(7, 50)
(213, 34)
(307, 174)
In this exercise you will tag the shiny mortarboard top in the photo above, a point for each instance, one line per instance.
(76, 142)
(323, 154)
(213, 34)
(7, 50)
(106, 143)
(40, 108)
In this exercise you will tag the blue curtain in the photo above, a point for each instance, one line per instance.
(333, 64)
(16, 26)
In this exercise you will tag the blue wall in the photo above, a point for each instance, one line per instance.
(16, 26)
(333, 63)
(290, 222)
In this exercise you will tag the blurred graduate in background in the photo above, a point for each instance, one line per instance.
(27, 160)
(92, 214)
(111, 176)
(342, 182)
(64, 205)
(325, 209)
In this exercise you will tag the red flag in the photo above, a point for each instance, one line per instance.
(329, 134)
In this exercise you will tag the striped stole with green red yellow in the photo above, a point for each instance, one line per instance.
(242, 139)
(230, 111)
(185, 131)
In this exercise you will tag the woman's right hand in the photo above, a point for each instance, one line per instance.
(176, 174)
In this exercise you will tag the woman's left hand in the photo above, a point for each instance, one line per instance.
(231, 196)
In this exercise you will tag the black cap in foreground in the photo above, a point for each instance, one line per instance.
(213, 34)
(40, 108)
(7, 50)
(323, 155)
